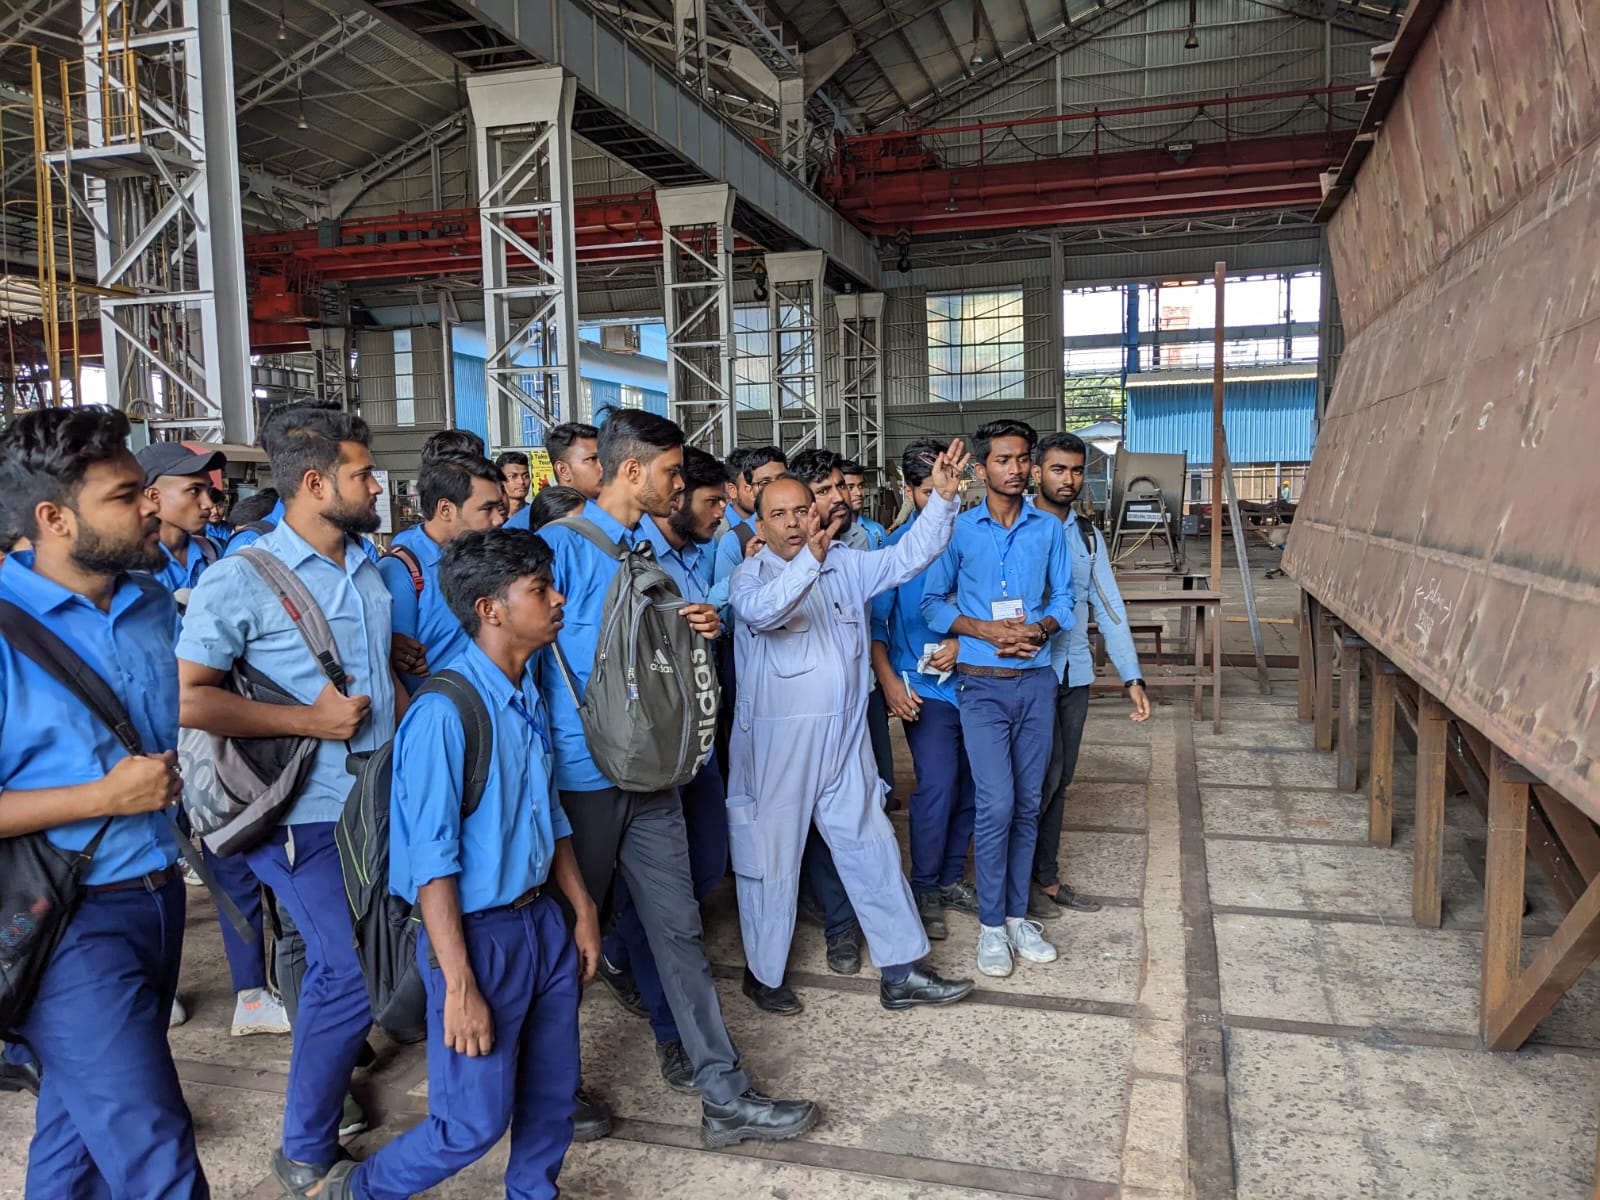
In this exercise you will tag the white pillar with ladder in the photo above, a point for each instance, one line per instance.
(697, 278)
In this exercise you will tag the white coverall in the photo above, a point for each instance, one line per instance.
(800, 749)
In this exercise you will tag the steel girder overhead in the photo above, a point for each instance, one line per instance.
(632, 107)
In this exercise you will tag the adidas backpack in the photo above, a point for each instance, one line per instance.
(385, 925)
(649, 710)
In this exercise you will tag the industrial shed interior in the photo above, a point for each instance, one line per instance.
(1316, 280)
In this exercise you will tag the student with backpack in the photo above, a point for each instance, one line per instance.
(342, 701)
(501, 971)
(458, 494)
(629, 821)
(93, 1007)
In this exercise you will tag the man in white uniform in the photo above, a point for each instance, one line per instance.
(800, 750)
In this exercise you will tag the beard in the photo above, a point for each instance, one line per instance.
(682, 523)
(354, 519)
(659, 503)
(100, 555)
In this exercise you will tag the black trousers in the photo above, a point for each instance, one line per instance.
(1072, 710)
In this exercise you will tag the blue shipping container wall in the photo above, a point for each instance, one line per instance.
(1267, 420)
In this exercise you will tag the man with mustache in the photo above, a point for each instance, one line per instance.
(323, 468)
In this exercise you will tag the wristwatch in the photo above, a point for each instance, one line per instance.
(1134, 683)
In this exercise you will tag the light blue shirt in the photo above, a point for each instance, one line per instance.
(897, 623)
(1093, 584)
(249, 537)
(185, 573)
(47, 737)
(517, 520)
(219, 534)
(690, 567)
(875, 531)
(232, 614)
(987, 562)
(425, 617)
(729, 553)
(582, 573)
(506, 846)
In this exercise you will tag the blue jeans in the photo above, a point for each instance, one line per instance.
(1008, 726)
(111, 1118)
(527, 971)
(705, 822)
(301, 865)
(247, 963)
(943, 807)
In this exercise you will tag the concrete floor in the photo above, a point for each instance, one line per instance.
(1251, 1010)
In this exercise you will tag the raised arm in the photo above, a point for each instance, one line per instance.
(763, 606)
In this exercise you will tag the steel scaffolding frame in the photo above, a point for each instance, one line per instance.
(861, 377)
(797, 300)
(697, 260)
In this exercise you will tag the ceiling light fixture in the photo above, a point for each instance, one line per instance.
(1192, 42)
(952, 206)
(300, 94)
(283, 25)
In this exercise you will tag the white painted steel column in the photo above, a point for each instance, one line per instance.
(796, 304)
(861, 377)
(697, 276)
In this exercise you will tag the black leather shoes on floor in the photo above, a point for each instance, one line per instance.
(297, 1179)
(780, 1001)
(1042, 905)
(591, 1119)
(931, 909)
(844, 952)
(19, 1077)
(754, 1117)
(676, 1069)
(922, 986)
(622, 987)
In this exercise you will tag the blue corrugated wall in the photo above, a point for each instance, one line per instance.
(472, 409)
(1267, 420)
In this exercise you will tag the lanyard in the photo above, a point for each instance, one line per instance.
(533, 722)
(1001, 548)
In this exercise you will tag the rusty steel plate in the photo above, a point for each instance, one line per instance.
(1452, 511)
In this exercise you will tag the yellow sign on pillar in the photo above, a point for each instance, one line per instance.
(540, 471)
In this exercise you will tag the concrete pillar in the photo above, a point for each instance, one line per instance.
(697, 276)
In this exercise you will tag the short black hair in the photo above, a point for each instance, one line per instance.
(633, 433)
(993, 431)
(735, 461)
(452, 443)
(553, 503)
(253, 508)
(218, 496)
(810, 495)
(44, 455)
(916, 460)
(558, 439)
(1067, 443)
(701, 470)
(511, 458)
(757, 457)
(486, 562)
(306, 437)
(813, 466)
(451, 479)
(850, 467)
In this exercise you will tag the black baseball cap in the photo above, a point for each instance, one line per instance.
(174, 458)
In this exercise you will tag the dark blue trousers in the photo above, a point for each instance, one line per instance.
(301, 865)
(705, 823)
(247, 963)
(944, 805)
(527, 971)
(111, 1119)
(818, 873)
(1008, 726)
(878, 731)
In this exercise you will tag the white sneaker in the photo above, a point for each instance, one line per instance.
(1027, 940)
(994, 951)
(258, 1011)
(180, 1014)
(189, 877)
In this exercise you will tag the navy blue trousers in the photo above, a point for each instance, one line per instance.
(705, 823)
(818, 873)
(1008, 726)
(111, 1119)
(943, 807)
(527, 971)
(301, 865)
(247, 963)
(878, 730)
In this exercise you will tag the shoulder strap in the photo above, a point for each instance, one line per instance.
(479, 730)
(588, 530)
(302, 608)
(208, 548)
(411, 564)
(744, 532)
(1085, 531)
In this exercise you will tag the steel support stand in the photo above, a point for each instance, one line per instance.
(522, 134)
(861, 378)
(799, 416)
(697, 277)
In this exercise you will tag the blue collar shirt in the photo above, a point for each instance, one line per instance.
(690, 567)
(232, 614)
(48, 739)
(425, 617)
(986, 563)
(506, 846)
(897, 622)
(1094, 585)
(185, 572)
(876, 532)
(249, 537)
(729, 553)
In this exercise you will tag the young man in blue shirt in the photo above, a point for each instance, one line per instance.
(513, 466)
(324, 469)
(1004, 587)
(574, 450)
(111, 1118)
(1059, 476)
(752, 469)
(855, 491)
(458, 495)
(915, 668)
(641, 834)
(502, 972)
(217, 527)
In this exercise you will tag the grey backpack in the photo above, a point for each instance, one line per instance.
(237, 790)
(649, 710)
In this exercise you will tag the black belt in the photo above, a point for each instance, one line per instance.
(152, 881)
(517, 905)
(990, 672)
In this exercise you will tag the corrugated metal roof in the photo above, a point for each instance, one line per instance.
(1267, 421)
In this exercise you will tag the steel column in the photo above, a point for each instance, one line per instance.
(861, 377)
(522, 135)
(799, 420)
(697, 262)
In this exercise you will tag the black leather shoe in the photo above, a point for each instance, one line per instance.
(844, 952)
(20, 1077)
(622, 988)
(1065, 897)
(297, 1179)
(337, 1185)
(961, 896)
(754, 1117)
(591, 1119)
(931, 909)
(780, 1001)
(676, 1069)
(922, 986)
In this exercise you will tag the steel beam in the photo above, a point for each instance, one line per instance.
(861, 378)
(796, 306)
(697, 275)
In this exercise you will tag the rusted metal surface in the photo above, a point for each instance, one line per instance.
(1450, 513)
